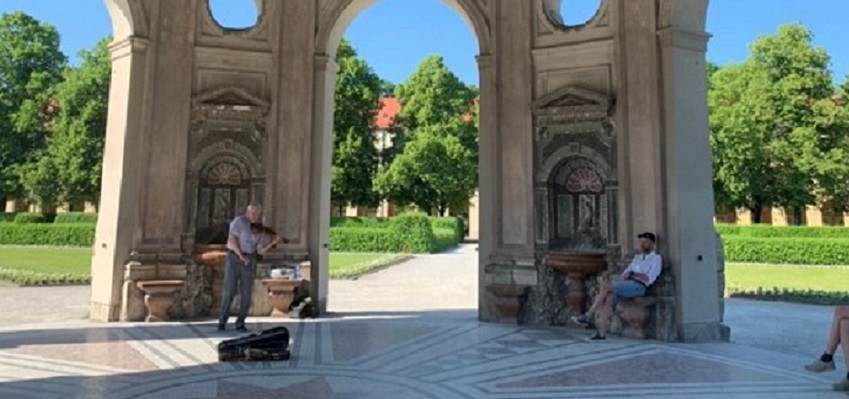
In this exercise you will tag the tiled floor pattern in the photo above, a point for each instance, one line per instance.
(407, 357)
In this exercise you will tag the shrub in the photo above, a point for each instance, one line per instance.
(455, 224)
(30, 278)
(371, 222)
(801, 251)
(766, 231)
(76, 217)
(72, 235)
(360, 239)
(793, 295)
(7, 217)
(415, 231)
(444, 239)
(27, 218)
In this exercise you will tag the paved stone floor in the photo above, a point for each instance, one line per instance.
(397, 346)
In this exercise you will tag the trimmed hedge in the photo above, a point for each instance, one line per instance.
(67, 235)
(7, 217)
(444, 239)
(27, 218)
(455, 224)
(415, 231)
(792, 295)
(361, 239)
(766, 231)
(30, 278)
(370, 222)
(76, 217)
(800, 251)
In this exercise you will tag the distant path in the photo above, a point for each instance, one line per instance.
(30, 305)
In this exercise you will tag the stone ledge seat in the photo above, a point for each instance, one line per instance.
(281, 293)
(159, 296)
(635, 315)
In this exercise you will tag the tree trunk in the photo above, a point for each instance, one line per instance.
(798, 215)
(756, 210)
(3, 201)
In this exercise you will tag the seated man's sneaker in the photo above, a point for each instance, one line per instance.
(597, 337)
(581, 320)
(843, 385)
(820, 366)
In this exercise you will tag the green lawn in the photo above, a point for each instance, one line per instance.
(77, 261)
(742, 276)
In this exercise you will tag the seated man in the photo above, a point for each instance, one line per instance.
(838, 336)
(640, 274)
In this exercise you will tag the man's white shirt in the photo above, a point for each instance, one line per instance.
(649, 264)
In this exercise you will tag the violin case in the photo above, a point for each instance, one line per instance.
(268, 345)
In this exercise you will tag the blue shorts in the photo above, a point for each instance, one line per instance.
(629, 289)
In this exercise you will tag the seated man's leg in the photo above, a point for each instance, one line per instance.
(621, 290)
(843, 326)
(826, 361)
(604, 292)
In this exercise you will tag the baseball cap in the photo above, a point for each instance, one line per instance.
(648, 235)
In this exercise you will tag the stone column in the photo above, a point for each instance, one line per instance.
(320, 167)
(642, 200)
(165, 143)
(487, 177)
(690, 234)
(119, 201)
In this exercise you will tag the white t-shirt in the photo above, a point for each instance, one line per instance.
(649, 264)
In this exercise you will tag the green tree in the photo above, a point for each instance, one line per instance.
(77, 140)
(30, 65)
(771, 130)
(436, 171)
(355, 155)
(433, 95)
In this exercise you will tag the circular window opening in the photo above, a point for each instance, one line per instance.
(235, 14)
(578, 12)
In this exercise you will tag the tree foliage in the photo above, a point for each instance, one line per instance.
(433, 95)
(355, 156)
(776, 131)
(436, 171)
(30, 65)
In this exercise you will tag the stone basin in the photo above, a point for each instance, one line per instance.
(281, 293)
(573, 262)
(576, 266)
(159, 296)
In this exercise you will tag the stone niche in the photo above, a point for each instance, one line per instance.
(576, 201)
(225, 172)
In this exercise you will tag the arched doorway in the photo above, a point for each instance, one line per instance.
(335, 21)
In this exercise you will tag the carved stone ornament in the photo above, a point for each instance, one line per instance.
(229, 105)
(573, 110)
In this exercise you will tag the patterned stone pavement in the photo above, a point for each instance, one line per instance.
(384, 342)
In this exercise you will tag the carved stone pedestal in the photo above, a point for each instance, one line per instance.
(281, 293)
(576, 266)
(159, 296)
(635, 314)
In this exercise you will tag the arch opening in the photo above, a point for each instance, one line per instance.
(235, 15)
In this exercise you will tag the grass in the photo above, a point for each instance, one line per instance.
(748, 277)
(346, 265)
(57, 265)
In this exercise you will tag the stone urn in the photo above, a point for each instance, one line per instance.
(576, 266)
(158, 298)
(214, 256)
(281, 293)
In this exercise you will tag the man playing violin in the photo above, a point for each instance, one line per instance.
(244, 247)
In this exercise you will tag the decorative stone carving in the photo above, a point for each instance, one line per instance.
(226, 169)
(576, 189)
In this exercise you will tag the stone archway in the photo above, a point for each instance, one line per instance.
(647, 54)
(335, 17)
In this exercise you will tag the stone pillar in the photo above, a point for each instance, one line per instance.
(487, 178)
(165, 140)
(119, 201)
(690, 240)
(638, 109)
(322, 154)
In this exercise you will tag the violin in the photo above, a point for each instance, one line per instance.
(259, 228)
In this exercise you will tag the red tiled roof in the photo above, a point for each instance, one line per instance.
(389, 110)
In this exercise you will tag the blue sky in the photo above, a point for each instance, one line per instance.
(395, 35)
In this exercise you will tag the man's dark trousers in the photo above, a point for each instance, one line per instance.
(241, 276)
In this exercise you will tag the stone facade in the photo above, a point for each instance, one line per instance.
(589, 135)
